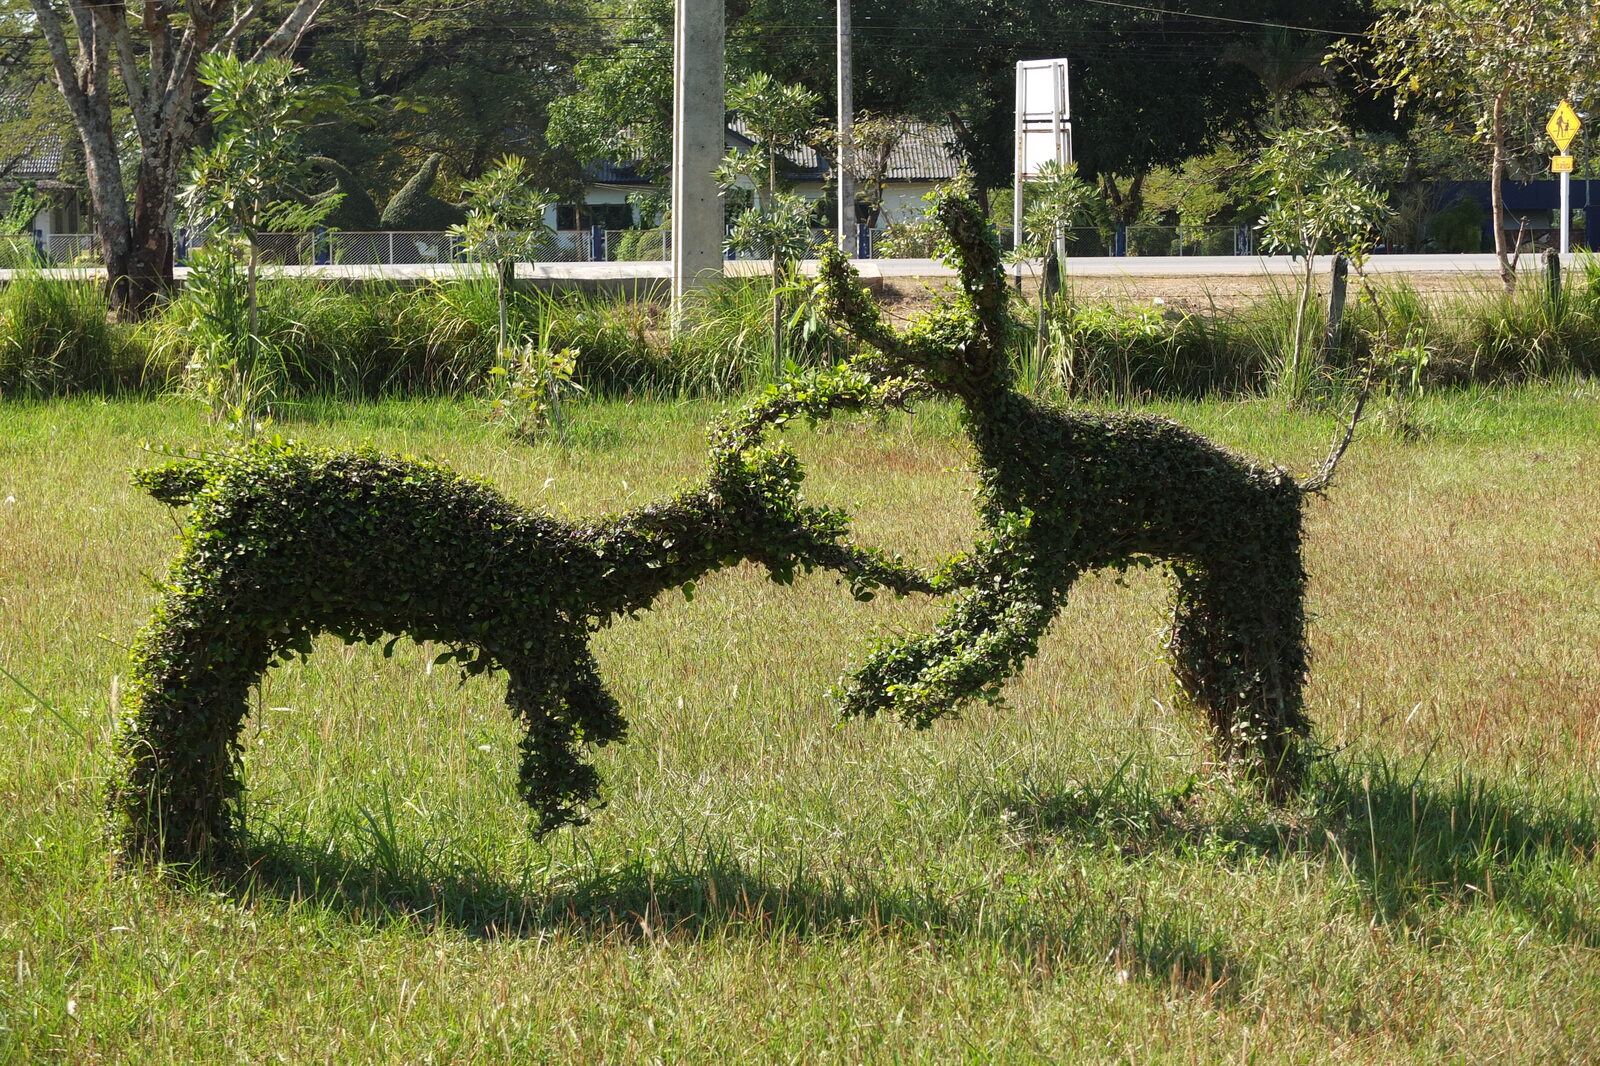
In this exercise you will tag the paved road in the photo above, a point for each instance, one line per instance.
(629, 274)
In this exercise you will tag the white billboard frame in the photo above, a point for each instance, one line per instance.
(1043, 127)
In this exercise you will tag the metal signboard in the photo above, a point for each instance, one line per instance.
(1044, 127)
(1563, 125)
(1044, 115)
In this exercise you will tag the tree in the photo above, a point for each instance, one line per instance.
(472, 80)
(872, 144)
(1489, 61)
(1052, 204)
(621, 109)
(505, 223)
(1317, 203)
(151, 60)
(779, 118)
(239, 187)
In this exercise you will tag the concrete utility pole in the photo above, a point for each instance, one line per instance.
(699, 115)
(846, 184)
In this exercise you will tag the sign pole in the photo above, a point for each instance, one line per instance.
(1019, 165)
(1564, 125)
(1566, 212)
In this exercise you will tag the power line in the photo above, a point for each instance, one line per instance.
(1224, 18)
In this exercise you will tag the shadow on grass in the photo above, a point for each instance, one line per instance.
(1404, 844)
(675, 896)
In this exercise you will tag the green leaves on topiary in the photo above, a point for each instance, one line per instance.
(1065, 492)
(286, 542)
(415, 209)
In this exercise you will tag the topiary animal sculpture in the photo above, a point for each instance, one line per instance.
(286, 542)
(1064, 492)
(415, 208)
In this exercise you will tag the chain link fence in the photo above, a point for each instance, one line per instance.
(336, 248)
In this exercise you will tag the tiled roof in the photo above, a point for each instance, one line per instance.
(926, 153)
(43, 163)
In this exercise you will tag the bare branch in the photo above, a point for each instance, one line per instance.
(1318, 482)
(113, 22)
(244, 19)
(60, 55)
(289, 32)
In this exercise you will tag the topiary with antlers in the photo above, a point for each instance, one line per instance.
(1065, 492)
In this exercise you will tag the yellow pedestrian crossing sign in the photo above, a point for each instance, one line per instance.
(1563, 125)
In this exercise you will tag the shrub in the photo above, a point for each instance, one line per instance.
(55, 338)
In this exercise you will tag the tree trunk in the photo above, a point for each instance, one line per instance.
(140, 290)
(967, 146)
(777, 267)
(158, 78)
(1497, 200)
(1126, 206)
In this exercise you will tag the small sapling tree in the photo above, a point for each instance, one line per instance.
(1316, 205)
(1053, 203)
(505, 225)
(779, 118)
(238, 188)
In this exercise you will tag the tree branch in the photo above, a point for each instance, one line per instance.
(290, 30)
(113, 22)
(61, 58)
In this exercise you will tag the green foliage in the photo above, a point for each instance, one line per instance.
(1317, 202)
(416, 209)
(1065, 492)
(25, 202)
(1054, 202)
(528, 386)
(779, 229)
(236, 187)
(55, 339)
(1316, 205)
(505, 215)
(230, 369)
(1495, 66)
(240, 181)
(1458, 228)
(286, 542)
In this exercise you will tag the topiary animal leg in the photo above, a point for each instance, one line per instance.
(565, 707)
(178, 795)
(986, 637)
(1237, 647)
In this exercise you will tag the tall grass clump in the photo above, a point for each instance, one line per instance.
(1125, 353)
(1533, 334)
(55, 338)
(361, 342)
(622, 342)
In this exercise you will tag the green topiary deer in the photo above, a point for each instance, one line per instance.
(1064, 492)
(285, 542)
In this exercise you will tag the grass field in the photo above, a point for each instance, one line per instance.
(1055, 880)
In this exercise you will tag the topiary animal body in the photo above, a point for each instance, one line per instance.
(1065, 492)
(286, 542)
(356, 211)
(415, 209)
